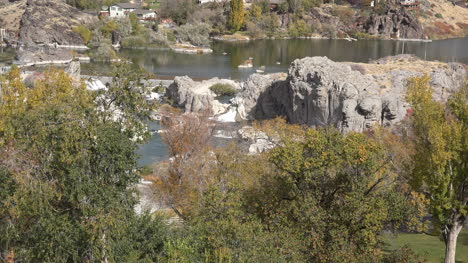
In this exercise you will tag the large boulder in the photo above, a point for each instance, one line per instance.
(255, 100)
(33, 22)
(195, 96)
(351, 97)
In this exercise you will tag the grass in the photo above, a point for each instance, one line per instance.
(431, 247)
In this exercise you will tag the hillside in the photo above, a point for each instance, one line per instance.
(31, 22)
(445, 19)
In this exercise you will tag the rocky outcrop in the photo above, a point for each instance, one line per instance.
(44, 56)
(320, 92)
(195, 96)
(45, 22)
(395, 23)
(255, 100)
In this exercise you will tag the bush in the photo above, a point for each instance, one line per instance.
(134, 41)
(223, 89)
(254, 30)
(299, 29)
(196, 34)
(309, 4)
(438, 15)
(84, 33)
(345, 14)
(404, 255)
(331, 30)
(104, 52)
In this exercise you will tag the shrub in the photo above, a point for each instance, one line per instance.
(109, 27)
(104, 52)
(134, 41)
(299, 28)
(223, 89)
(438, 15)
(309, 4)
(345, 14)
(331, 30)
(254, 30)
(404, 255)
(196, 34)
(84, 33)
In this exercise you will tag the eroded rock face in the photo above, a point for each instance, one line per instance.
(195, 96)
(46, 22)
(51, 55)
(320, 92)
(256, 100)
(394, 23)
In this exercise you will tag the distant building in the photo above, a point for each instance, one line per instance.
(145, 15)
(409, 4)
(122, 9)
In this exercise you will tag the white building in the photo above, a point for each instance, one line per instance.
(144, 15)
(122, 9)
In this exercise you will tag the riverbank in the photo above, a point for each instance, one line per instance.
(236, 38)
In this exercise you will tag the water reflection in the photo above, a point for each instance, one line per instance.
(276, 55)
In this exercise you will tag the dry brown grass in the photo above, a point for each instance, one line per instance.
(451, 24)
(412, 64)
(11, 15)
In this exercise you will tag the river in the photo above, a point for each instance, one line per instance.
(275, 55)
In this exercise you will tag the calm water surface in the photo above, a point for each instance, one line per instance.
(276, 55)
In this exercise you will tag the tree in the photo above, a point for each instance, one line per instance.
(295, 6)
(187, 137)
(440, 136)
(335, 192)
(67, 173)
(236, 15)
(177, 10)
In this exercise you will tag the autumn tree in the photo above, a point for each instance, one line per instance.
(67, 171)
(187, 137)
(236, 15)
(335, 192)
(441, 154)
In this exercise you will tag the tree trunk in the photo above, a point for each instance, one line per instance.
(450, 237)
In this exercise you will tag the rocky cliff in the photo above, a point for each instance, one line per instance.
(351, 97)
(32, 22)
(395, 23)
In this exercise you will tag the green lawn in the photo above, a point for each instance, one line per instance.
(428, 246)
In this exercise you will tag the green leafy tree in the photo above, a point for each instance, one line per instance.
(334, 192)
(67, 173)
(84, 32)
(440, 136)
(236, 15)
(177, 10)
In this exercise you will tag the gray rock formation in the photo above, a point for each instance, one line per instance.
(74, 70)
(195, 96)
(255, 102)
(50, 55)
(33, 22)
(394, 23)
(51, 21)
(320, 92)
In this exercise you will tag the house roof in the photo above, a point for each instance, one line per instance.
(142, 11)
(127, 5)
